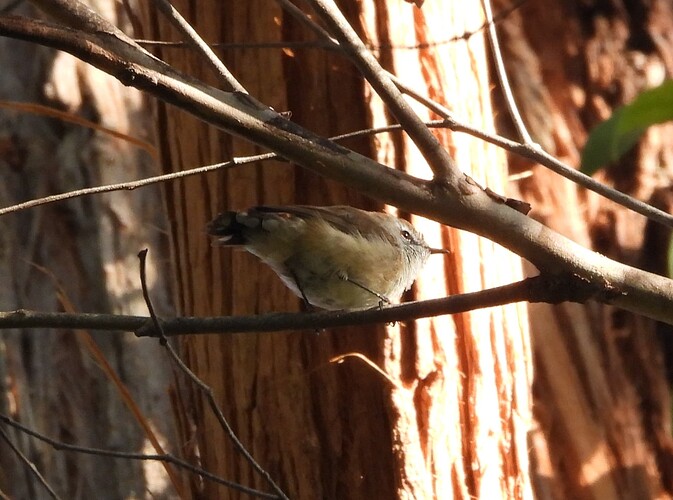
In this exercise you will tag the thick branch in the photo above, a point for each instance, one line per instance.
(463, 205)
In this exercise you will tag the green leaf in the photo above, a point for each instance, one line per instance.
(612, 138)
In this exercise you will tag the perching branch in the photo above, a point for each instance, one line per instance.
(546, 288)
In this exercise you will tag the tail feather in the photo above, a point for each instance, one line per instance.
(227, 229)
(236, 228)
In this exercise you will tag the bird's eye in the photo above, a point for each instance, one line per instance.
(406, 235)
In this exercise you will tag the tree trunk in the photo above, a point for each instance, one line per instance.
(76, 256)
(449, 415)
(602, 408)
(450, 418)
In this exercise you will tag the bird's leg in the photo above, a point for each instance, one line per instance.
(309, 306)
(382, 298)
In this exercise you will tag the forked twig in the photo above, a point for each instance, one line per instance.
(207, 391)
(29, 465)
(168, 458)
(529, 150)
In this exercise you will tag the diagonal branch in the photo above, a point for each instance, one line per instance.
(439, 160)
(526, 150)
(29, 465)
(190, 33)
(462, 204)
(207, 391)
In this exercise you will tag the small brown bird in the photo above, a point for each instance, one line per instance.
(335, 257)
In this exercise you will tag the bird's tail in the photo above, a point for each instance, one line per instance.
(227, 229)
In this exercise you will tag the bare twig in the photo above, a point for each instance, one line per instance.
(526, 151)
(133, 184)
(315, 44)
(502, 75)
(29, 465)
(332, 44)
(207, 391)
(168, 458)
(225, 76)
(147, 181)
(529, 150)
(537, 155)
(357, 355)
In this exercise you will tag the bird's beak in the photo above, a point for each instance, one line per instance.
(439, 250)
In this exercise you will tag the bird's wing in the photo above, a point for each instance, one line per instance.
(346, 219)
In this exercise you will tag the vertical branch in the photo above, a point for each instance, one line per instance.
(502, 75)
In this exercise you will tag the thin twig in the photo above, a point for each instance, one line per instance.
(29, 465)
(59, 445)
(206, 389)
(225, 76)
(313, 44)
(331, 45)
(133, 184)
(502, 76)
(537, 155)
(357, 355)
